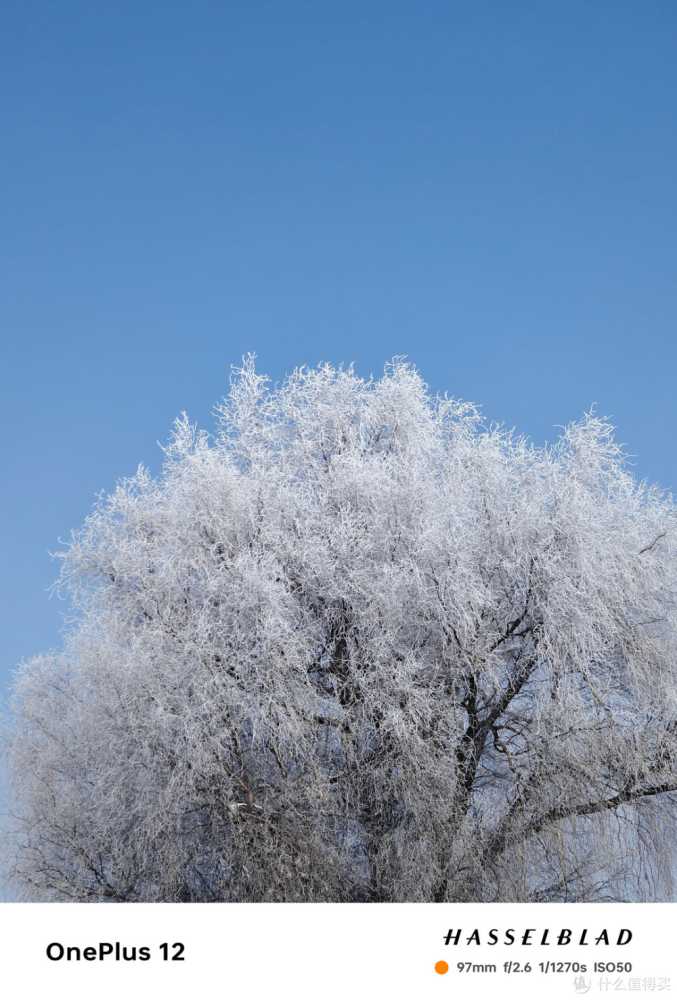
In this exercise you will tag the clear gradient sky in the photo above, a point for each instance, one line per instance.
(488, 188)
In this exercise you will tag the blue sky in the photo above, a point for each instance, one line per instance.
(488, 188)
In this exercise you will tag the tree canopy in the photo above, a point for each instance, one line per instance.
(358, 645)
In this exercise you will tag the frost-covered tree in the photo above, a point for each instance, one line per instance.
(358, 646)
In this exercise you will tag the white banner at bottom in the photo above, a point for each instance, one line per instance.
(325, 950)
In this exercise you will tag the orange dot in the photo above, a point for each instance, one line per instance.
(441, 967)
